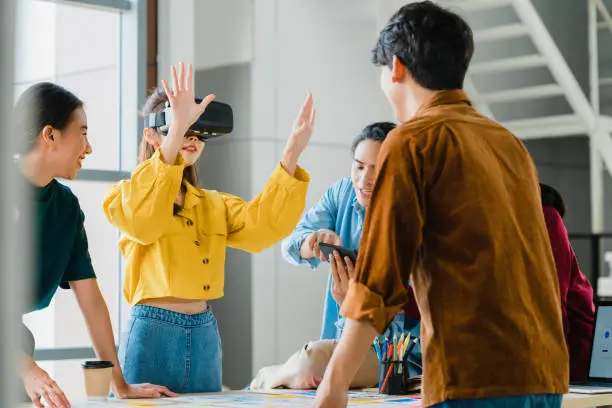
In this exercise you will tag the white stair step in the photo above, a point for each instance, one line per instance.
(501, 33)
(472, 5)
(509, 64)
(521, 94)
(605, 82)
(549, 126)
(606, 122)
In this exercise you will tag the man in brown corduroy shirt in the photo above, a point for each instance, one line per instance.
(456, 207)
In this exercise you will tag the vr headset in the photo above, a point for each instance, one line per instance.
(217, 120)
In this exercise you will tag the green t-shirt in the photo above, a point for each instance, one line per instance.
(62, 254)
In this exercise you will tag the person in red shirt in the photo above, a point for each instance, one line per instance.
(577, 305)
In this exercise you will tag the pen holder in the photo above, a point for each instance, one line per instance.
(393, 377)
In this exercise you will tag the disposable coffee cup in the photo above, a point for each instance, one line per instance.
(98, 376)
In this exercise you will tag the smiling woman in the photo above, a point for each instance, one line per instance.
(106, 74)
(55, 126)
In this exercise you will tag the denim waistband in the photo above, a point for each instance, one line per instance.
(168, 316)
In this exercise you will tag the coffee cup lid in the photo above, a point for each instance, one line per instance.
(98, 364)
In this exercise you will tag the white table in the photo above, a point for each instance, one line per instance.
(586, 401)
(569, 401)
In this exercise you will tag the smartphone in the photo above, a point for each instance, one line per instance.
(328, 249)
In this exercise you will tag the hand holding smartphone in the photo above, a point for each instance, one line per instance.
(328, 249)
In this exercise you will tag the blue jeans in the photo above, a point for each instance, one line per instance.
(181, 352)
(523, 401)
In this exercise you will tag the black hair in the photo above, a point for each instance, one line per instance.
(376, 131)
(552, 198)
(434, 44)
(43, 104)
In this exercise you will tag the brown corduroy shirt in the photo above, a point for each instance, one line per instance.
(456, 207)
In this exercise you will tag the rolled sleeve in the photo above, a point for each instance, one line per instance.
(321, 216)
(271, 216)
(280, 176)
(361, 303)
(291, 250)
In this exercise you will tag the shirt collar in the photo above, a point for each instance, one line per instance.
(193, 195)
(452, 97)
(356, 206)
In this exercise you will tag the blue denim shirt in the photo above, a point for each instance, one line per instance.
(339, 211)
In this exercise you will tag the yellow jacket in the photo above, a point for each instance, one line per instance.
(183, 255)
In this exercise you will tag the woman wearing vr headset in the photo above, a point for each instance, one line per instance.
(175, 237)
(53, 126)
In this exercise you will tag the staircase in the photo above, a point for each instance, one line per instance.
(539, 77)
(591, 116)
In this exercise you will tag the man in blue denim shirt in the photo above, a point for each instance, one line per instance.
(338, 218)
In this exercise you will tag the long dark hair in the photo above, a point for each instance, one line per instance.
(156, 103)
(42, 104)
(552, 198)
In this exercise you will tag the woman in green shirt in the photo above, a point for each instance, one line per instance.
(54, 125)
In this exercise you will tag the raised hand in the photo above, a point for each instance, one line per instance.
(300, 135)
(185, 110)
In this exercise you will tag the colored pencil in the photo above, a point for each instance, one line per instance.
(407, 352)
(382, 389)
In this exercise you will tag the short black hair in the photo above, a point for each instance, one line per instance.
(376, 131)
(552, 198)
(434, 44)
(43, 104)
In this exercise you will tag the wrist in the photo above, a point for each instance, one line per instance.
(118, 380)
(289, 160)
(178, 128)
(337, 379)
(290, 153)
(305, 252)
(27, 365)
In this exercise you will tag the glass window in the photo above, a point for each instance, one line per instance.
(104, 253)
(99, 89)
(80, 47)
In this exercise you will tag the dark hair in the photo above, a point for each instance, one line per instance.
(156, 103)
(43, 104)
(552, 198)
(434, 44)
(376, 131)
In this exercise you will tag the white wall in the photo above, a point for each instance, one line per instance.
(322, 47)
(207, 33)
(226, 165)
